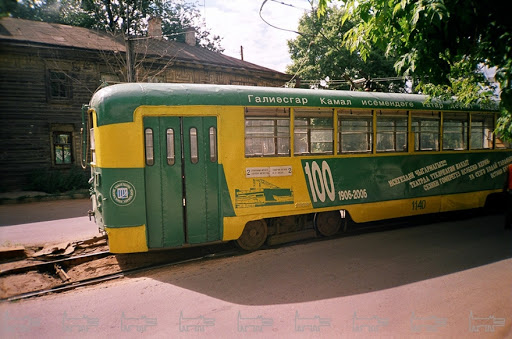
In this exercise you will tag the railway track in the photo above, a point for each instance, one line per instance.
(26, 279)
(114, 275)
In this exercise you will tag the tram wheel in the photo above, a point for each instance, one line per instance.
(328, 223)
(253, 236)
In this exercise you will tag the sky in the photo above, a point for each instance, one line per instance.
(238, 22)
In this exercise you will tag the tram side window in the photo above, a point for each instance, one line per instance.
(426, 131)
(455, 131)
(355, 132)
(150, 156)
(171, 154)
(194, 146)
(213, 144)
(392, 132)
(313, 131)
(267, 132)
(482, 126)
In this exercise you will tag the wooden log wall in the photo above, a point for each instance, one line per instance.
(27, 114)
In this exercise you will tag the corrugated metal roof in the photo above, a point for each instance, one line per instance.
(20, 30)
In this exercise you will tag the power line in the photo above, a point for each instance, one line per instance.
(268, 23)
(290, 5)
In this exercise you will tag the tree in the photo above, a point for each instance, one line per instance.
(127, 17)
(444, 44)
(317, 53)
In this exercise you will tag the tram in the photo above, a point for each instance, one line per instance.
(175, 165)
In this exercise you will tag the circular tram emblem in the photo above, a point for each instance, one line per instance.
(122, 193)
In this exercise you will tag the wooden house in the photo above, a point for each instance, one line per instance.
(48, 71)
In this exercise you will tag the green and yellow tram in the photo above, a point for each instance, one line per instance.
(181, 164)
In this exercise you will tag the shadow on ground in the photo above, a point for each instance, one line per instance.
(348, 265)
(16, 214)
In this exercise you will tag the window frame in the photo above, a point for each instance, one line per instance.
(355, 115)
(419, 116)
(392, 116)
(58, 79)
(489, 138)
(61, 129)
(308, 114)
(464, 135)
(270, 119)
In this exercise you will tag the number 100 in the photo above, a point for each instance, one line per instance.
(320, 181)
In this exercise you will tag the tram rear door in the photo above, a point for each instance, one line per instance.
(181, 177)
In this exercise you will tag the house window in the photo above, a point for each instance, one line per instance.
(63, 148)
(59, 86)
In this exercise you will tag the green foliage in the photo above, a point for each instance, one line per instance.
(56, 181)
(441, 43)
(504, 126)
(318, 52)
(128, 17)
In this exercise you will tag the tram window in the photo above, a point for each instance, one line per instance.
(267, 132)
(194, 156)
(455, 131)
(426, 130)
(91, 137)
(313, 131)
(355, 132)
(93, 146)
(171, 157)
(482, 126)
(213, 144)
(392, 132)
(150, 158)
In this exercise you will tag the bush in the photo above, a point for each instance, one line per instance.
(56, 181)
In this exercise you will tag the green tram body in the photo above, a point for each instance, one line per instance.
(182, 164)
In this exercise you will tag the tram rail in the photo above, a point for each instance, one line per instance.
(111, 276)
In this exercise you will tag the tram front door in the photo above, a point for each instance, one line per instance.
(181, 177)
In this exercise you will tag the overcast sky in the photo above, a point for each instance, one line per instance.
(238, 22)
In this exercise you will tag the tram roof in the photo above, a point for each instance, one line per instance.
(116, 103)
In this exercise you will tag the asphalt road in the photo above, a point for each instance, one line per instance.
(39, 223)
(449, 279)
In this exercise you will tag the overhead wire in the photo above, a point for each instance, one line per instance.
(313, 36)
(329, 41)
(286, 4)
(276, 27)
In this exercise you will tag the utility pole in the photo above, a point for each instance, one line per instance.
(130, 74)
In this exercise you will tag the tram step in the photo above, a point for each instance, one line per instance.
(287, 237)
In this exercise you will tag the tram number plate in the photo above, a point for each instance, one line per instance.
(419, 205)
